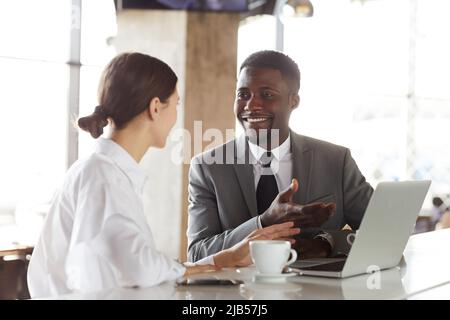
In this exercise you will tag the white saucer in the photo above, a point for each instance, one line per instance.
(277, 277)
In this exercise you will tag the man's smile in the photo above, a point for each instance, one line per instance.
(256, 118)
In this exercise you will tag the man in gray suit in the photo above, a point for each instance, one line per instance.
(257, 180)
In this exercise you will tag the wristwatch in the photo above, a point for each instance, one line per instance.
(325, 236)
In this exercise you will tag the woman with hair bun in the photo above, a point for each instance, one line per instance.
(96, 235)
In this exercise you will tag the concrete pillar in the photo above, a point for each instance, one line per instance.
(211, 55)
(202, 50)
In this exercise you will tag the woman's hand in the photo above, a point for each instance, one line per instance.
(192, 269)
(239, 254)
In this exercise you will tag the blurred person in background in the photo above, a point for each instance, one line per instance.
(437, 211)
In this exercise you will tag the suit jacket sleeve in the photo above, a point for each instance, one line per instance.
(356, 192)
(356, 195)
(205, 233)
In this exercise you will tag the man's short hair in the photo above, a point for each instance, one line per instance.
(278, 61)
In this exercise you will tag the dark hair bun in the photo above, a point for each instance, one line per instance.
(93, 124)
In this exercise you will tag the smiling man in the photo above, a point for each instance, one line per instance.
(264, 100)
(274, 175)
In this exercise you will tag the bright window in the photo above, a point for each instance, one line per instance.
(34, 45)
(35, 76)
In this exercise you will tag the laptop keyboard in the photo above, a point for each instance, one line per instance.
(301, 264)
(332, 266)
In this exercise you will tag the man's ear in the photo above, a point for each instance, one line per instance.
(154, 108)
(295, 101)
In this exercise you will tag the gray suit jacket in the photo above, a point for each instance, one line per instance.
(222, 196)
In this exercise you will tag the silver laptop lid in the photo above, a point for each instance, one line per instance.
(388, 222)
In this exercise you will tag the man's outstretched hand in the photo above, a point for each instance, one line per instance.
(283, 209)
(311, 215)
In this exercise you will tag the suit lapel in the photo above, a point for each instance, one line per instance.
(244, 173)
(302, 157)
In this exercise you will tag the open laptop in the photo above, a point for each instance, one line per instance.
(388, 222)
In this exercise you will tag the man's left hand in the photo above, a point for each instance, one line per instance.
(311, 248)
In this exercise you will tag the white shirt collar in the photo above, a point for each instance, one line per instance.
(123, 160)
(279, 152)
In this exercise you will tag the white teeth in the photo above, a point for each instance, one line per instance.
(253, 120)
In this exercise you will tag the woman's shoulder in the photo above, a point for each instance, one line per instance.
(95, 168)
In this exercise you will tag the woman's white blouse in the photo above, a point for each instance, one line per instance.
(96, 235)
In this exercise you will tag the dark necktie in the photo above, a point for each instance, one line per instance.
(267, 188)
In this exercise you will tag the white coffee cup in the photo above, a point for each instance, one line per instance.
(271, 256)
